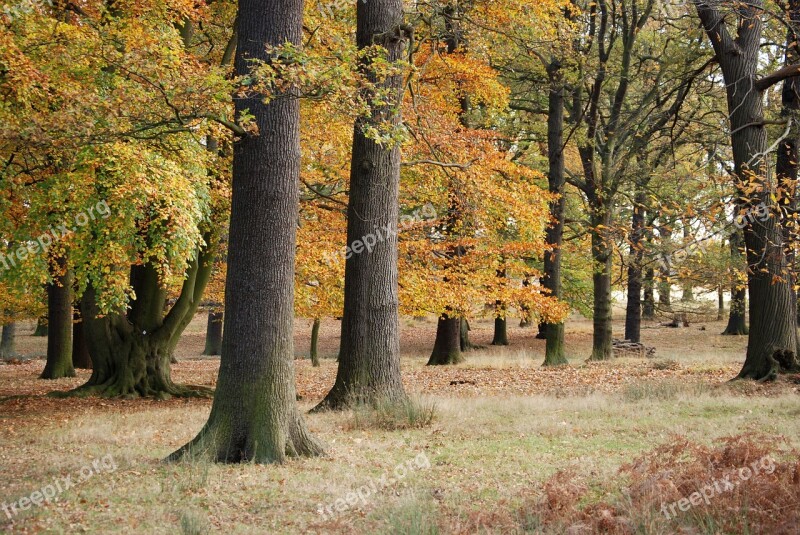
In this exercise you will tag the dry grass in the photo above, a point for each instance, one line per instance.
(545, 451)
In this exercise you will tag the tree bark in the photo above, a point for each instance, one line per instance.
(447, 347)
(81, 359)
(254, 416)
(601, 253)
(314, 343)
(720, 303)
(554, 333)
(500, 337)
(369, 355)
(9, 341)
(214, 333)
(772, 342)
(59, 316)
(633, 310)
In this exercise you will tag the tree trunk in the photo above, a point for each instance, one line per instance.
(601, 253)
(369, 354)
(464, 340)
(314, 343)
(214, 333)
(648, 300)
(254, 417)
(772, 343)
(500, 326)
(687, 289)
(9, 341)
(447, 347)
(41, 326)
(633, 310)
(59, 335)
(81, 359)
(720, 303)
(554, 333)
(665, 272)
(737, 325)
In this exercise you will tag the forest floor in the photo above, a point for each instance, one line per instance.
(616, 447)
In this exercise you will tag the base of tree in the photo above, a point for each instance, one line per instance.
(253, 440)
(447, 347)
(780, 362)
(119, 389)
(739, 330)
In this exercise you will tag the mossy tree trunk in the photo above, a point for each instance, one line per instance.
(254, 417)
(59, 316)
(553, 334)
(214, 333)
(601, 253)
(369, 354)
(648, 297)
(131, 351)
(447, 347)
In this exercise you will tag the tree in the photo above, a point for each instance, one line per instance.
(59, 315)
(214, 333)
(254, 416)
(772, 342)
(369, 354)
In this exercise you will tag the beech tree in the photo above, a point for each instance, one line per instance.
(735, 32)
(254, 417)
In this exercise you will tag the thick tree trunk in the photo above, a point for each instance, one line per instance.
(464, 340)
(447, 347)
(633, 309)
(81, 359)
(59, 335)
(131, 352)
(254, 417)
(314, 343)
(369, 354)
(214, 333)
(772, 343)
(649, 300)
(9, 341)
(41, 327)
(554, 333)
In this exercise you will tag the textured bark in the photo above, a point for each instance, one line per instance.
(131, 350)
(369, 354)
(214, 333)
(59, 334)
(41, 327)
(720, 303)
(314, 343)
(81, 359)
(254, 417)
(633, 310)
(447, 347)
(554, 334)
(772, 342)
(9, 341)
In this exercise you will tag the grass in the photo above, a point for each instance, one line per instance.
(499, 463)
